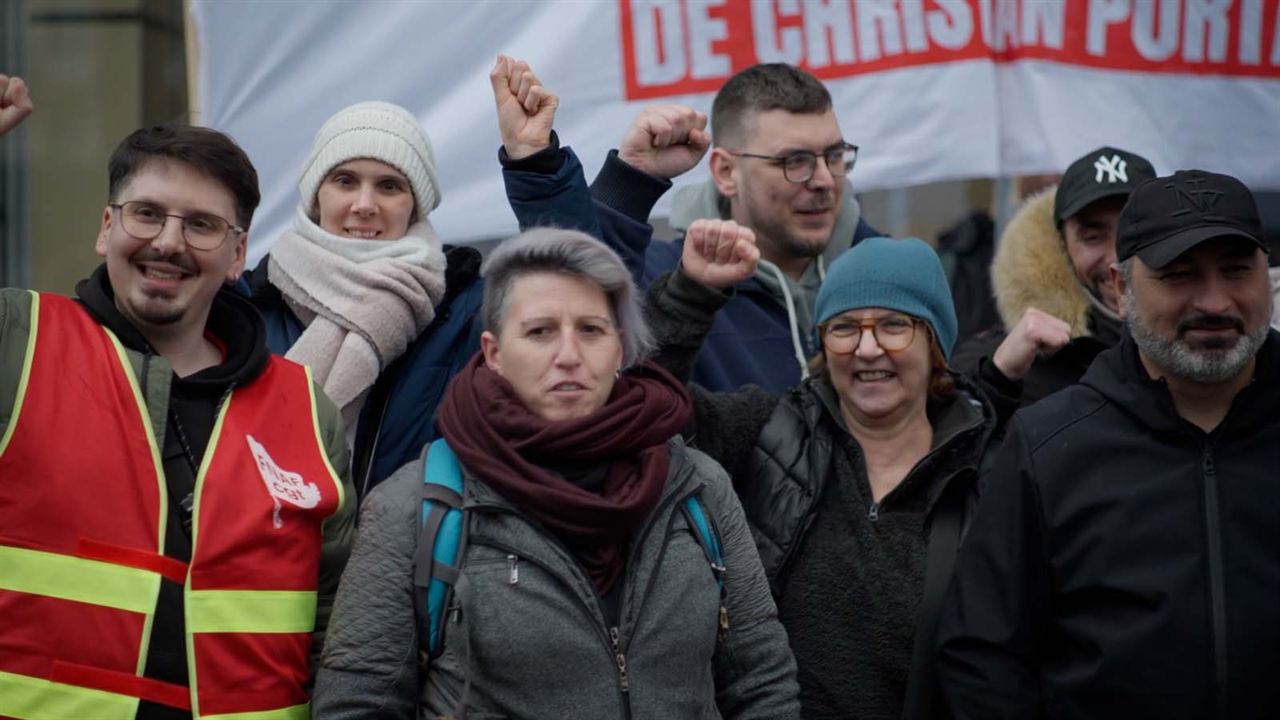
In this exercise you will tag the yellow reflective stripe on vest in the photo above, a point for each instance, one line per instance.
(36, 699)
(21, 393)
(71, 578)
(251, 611)
(297, 712)
(334, 477)
(162, 514)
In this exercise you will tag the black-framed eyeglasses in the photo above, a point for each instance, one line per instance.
(799, 166)
(202, 231)
(893, 333)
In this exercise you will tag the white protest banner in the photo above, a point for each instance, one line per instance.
(930, 89)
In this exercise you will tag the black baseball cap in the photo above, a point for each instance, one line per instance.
(1167, 216)
(1105, 172)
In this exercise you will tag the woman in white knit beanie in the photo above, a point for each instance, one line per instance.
(353, 290)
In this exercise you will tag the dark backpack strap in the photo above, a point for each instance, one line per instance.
(441, 543)
(940, 561)
(708, 535)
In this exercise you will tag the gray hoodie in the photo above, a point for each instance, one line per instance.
(529, 636)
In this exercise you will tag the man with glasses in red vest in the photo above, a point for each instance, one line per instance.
(175, 510)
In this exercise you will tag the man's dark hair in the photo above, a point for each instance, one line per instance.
(760, 88)
(205, 150)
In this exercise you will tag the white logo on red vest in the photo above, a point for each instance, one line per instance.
(282, 484)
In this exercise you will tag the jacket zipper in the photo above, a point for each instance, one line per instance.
(373, 450)
(1217, 592)
(644, 534)
(614, 640)
(874, 513)
(611, 637)
(621, 659)
(615, 633)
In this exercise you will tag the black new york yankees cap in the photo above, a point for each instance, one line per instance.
(1105, 172)
(1167, 216)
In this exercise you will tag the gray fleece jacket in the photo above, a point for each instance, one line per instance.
(529, 635)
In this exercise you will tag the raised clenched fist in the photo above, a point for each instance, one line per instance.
(719, 253)
(526, 110)
(15, 102)
(665, 140)
(1036, 333)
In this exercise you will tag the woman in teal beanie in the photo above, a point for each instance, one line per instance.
(857, 483)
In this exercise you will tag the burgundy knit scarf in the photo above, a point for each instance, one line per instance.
(506, 445)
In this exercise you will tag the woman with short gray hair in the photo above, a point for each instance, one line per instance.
(588, 587)
(571, 253)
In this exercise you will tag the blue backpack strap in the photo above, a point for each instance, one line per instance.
(709, 538)
(440, 544)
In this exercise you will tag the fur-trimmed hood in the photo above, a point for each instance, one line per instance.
(1031, 268)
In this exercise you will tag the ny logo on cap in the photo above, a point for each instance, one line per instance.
(1115, 169)
(1194, 198)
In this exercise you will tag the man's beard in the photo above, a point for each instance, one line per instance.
(1204, 365)
(785, 244)
(156, 312)
(775, 237)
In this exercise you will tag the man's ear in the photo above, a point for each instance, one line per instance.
(237, 263)
(723, 166)
(1117, 279)
(492, 356)
(100, 245)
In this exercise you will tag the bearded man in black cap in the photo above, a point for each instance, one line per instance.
(1125, 560)
(1051, 280)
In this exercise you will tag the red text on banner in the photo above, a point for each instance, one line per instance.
(675, 47)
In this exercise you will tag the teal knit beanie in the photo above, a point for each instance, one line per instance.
(903, 275)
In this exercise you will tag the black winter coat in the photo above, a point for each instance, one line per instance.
(1124, 563)
(1046, 376)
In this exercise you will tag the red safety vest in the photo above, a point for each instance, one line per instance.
(83, 507)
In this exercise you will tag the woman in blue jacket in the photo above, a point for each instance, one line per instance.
(362, 290)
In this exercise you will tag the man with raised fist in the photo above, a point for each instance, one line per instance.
(1051, 280)
(778, 162)
(1124, 560)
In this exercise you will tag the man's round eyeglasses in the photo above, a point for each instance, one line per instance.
(893, 333)
(799, 166)
(202, 231)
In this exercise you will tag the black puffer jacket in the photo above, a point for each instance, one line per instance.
(857, 582)
(790, 461)
(1124, 563)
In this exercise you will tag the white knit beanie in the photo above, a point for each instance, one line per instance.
(377, 131)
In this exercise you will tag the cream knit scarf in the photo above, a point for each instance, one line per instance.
(362, 302)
